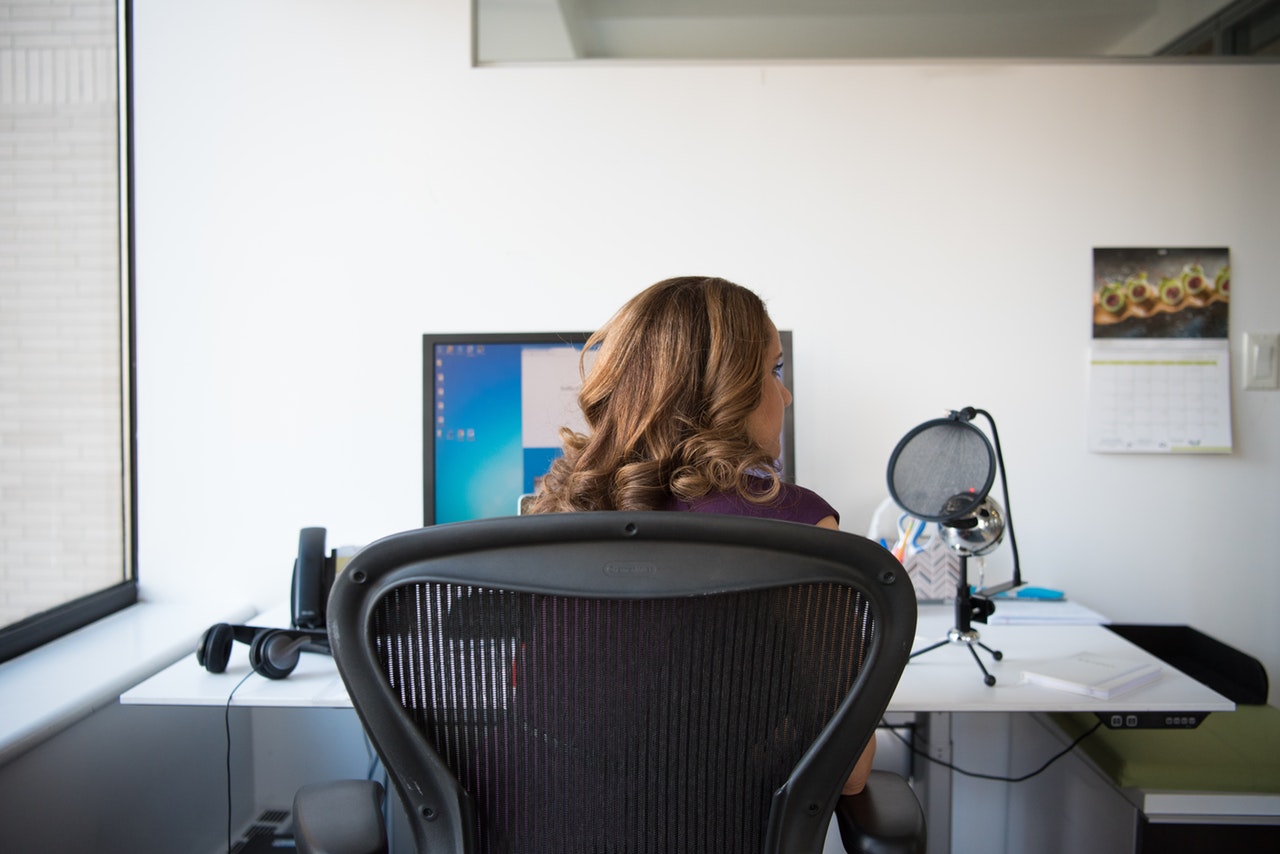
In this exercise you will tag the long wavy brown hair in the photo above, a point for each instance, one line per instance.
(677, 371)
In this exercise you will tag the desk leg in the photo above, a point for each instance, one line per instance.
(934, 730)
(981, 743)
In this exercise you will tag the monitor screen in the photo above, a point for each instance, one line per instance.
(494, 404)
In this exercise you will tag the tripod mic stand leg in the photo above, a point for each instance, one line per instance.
(995, 653)
(986, 676)
(931, 646)
(970, 639)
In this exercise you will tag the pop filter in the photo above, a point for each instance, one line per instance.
(942, 470)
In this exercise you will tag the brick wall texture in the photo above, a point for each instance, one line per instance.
(61, 463)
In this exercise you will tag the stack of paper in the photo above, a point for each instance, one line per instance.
(1026, 612)
(1093, 674)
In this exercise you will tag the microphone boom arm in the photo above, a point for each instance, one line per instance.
(1008, 512)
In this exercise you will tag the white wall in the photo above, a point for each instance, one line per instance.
(320, 182)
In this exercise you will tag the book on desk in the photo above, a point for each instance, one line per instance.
(1093, 674)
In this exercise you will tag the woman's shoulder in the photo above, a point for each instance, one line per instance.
(794, 503)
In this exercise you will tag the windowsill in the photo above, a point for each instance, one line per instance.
(50, 688)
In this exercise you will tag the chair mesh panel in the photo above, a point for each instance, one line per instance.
(593, 725)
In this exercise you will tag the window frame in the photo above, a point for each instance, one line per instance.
(41, 628)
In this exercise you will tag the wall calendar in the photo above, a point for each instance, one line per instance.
(1159, 364)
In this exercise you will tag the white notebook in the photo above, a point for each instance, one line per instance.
(1093, 674)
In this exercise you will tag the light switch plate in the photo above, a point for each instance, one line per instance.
(1261, 360)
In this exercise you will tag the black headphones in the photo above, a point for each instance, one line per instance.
(273, 653)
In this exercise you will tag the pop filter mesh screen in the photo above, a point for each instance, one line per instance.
(936, 462)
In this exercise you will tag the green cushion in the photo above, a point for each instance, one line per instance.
(1229, 752)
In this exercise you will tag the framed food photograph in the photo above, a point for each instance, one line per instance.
(1161, 293)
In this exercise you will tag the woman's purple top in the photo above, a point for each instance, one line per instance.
(793, 504)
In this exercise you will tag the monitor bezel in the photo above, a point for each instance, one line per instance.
(431, 339)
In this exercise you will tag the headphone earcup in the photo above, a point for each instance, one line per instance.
(214, 649)
(274, 654)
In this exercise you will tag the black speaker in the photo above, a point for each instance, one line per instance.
(312, 577)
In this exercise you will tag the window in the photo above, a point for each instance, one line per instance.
(66, 448)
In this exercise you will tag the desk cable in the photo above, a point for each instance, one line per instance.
(998, 777)
(226, 723)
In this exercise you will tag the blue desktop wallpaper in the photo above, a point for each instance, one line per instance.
(476, 465)
(481, 468)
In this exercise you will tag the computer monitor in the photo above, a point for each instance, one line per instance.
(493, 406)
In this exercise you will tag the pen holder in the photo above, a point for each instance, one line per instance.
(932, 566)
(934, 571)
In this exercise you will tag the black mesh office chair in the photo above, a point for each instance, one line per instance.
(638, 682)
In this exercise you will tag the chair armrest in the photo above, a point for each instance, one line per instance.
(339, 817)
(884, 818)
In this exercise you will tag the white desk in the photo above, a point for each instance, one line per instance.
(934, 688)
(948, 680)
(944, 687)
(314, 684)
(943, 680)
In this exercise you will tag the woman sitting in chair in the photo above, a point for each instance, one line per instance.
(684, 407)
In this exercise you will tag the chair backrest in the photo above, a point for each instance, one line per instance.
(639, 682)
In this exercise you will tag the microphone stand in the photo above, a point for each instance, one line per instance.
(971, 607)
(968, 609)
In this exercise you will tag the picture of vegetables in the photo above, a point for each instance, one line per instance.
(1112, 299)
(1193, 280)
(1138, 289)
(1171, 291)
